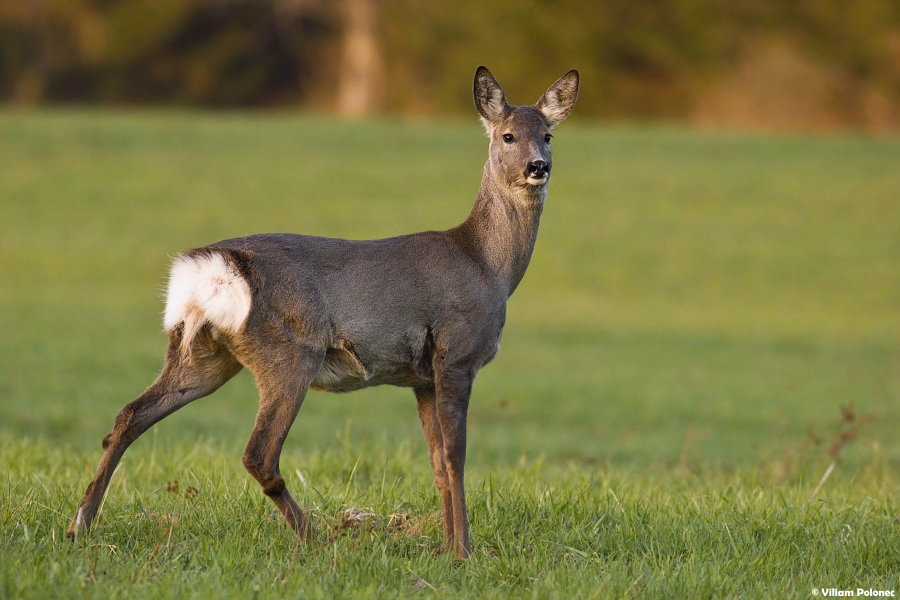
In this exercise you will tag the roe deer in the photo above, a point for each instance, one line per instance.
(424, 311)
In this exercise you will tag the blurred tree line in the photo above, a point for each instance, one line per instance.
(792, 63)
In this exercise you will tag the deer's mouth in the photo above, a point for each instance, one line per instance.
(538, 179)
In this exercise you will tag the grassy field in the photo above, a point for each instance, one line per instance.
(706, 316)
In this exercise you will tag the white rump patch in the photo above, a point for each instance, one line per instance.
(206, 289)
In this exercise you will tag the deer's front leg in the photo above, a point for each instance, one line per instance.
(431, 426)
(454, 386)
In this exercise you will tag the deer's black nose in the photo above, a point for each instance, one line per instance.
(537, 168)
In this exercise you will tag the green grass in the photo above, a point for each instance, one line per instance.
(698, 310)
(541, 530)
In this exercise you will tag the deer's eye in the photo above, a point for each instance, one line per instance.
(509, 138)
(547, 138)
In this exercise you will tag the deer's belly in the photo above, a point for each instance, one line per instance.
(342, 371)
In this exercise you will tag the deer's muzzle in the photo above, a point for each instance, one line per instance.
(537, 170)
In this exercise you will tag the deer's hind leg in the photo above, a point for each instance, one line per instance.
(184, 378)
(283, 375)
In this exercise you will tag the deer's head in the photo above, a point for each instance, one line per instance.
(520, 136)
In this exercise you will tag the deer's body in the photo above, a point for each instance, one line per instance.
(424, 311)
(382, 332)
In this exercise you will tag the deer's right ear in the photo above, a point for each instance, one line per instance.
(489, 98)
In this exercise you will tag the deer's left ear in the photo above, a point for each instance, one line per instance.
(559, 99)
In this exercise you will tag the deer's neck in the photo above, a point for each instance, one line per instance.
(502, 229)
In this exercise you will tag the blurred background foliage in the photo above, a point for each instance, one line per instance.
(786, 64)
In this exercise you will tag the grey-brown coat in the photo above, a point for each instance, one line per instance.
(424, 311)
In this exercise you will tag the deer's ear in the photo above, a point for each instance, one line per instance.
(489, 98)
(559, 99)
